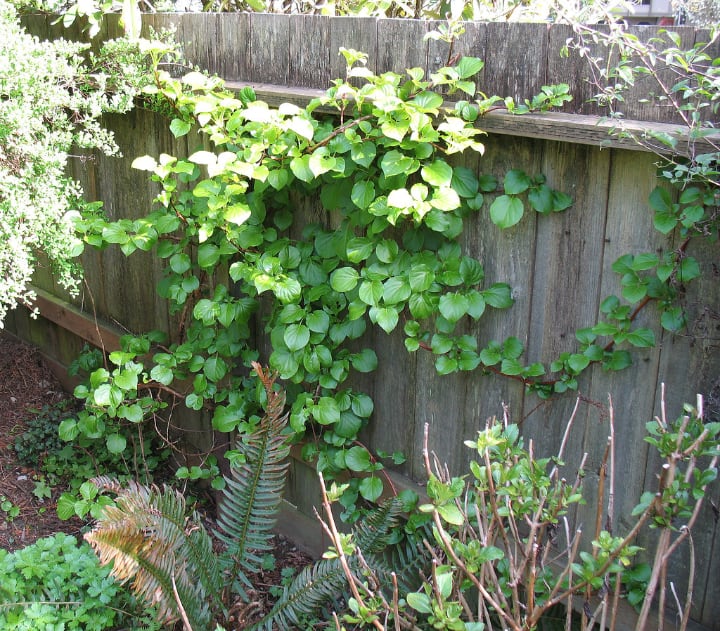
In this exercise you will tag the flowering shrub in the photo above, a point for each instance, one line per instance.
(51, 100)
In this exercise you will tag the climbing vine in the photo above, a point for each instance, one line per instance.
(384, 253)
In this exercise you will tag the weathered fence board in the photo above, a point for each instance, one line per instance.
(559, 266)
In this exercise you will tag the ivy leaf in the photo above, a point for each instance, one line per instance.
(541, 199)
(300, 166)
(162, 374)
(618, 360)
(465, 182)
(362, 405)
(673, 319)
(386, 317)
(396, 289)
(208, 255)
(396, 163)
(469, 66)
(642, 338)
(428, 100)
(445, 198)
(215, 368)
(115, 443)
(506, 211)
(296, 336)
(318, 321)
(363, 193)
(364, 361)
(498, 295)
(421, 278)
(446, 365)
(363, 154)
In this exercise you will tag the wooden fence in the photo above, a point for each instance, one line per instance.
(559, 266)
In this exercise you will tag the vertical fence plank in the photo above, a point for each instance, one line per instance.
(516, 63)
(629, 229)
(269, 48)
(233, 47)
(565, 284)
(311, 35)
(401, 45)
(352, 33)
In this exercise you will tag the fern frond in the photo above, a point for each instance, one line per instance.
(254, 490)
(315, 586)
(325, 581)
(150, 541)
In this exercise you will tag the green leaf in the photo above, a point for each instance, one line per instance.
(296, 336)
(465, 182)
(396, 163)
(506, 211)
(208, 255)
(215, 368)
(673, 319)
(326, 412)
(364, 361)
(618, 360)
(162, 374)
(363, 154)
(371, 488)
(453, 306)
(318, 321)
(363, 193)
(642, 338)
(445, 198)
(358, 459)
(451, 514)
(396, 289)
(344, 279)
(498, 295)
(386, 317)
(115, 443)
(420, 277)
(437, 173)
(179, 127)
(469, 66)
(419, 602)
(362, 405)
(516, 182)
(428, 100)
(301, 168)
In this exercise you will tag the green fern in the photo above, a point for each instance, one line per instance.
(253, 493)
(325, 581)
(167, 555)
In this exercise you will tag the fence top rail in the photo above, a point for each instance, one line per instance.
(560, 126)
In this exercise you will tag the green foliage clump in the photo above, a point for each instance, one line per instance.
(40, 437)
(52, 101)
(56, 583)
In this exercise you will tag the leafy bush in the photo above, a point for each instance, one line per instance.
(56, 583)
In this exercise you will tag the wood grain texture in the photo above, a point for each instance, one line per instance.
(310, 34)
(400, 45)
(269, 48)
